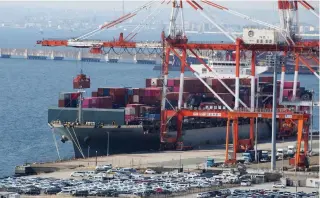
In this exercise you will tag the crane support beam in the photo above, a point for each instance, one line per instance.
(316, 60)
(253, 81)
(309, 67)
(295, 79)
(227, 141)
(236, 114)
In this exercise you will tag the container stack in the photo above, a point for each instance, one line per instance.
(97, 102)
(118, 95)
(150, 95)
(68, 99)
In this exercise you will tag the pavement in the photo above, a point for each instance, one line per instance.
(171, 159)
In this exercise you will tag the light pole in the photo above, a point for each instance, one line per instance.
(88, 154)
(282, 156)
(96, 158)
(311, 122)
(108, 144)
(274, 113)
(256, 131)
(88, 151)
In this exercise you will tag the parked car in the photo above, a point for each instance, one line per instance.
(278, 185)
(245, 183)
(202, 195)
(149, 171)
(78, 174)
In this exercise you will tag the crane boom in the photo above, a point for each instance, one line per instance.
(199, 8)
(241, 15)
(77, 42)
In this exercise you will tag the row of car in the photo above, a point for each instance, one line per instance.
(264, 193)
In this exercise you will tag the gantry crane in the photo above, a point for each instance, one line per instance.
(176, 42)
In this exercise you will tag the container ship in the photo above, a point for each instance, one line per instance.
(125, 120)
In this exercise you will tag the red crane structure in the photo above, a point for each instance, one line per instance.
(177, 43)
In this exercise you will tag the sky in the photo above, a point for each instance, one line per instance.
(261, 9)
(108, 4)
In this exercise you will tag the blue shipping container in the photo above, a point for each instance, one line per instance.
(154, 116)
(67, 96)
(106, 92)
(115, 106)
(130, 92)
(67, 102)
(74, 103)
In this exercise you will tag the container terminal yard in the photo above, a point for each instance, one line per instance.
(202, 136)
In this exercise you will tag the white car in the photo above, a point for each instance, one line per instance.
(245, 183)
(78, 174)
(149, 171)
(278, 186)
(200, 195)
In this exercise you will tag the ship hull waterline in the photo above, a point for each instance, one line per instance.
(94, 141)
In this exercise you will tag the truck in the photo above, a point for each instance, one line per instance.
(249, 156)
(281, 153)
(211, 163)
(265, 156)
(291, 151)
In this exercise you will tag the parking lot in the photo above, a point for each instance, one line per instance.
(125, 181)
(113, 182)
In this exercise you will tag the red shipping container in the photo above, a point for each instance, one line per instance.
(135, 91)
(176, 89)
(147, 92)
(268, 79)
(136, 107)
(170, 83)
(154, 92)
(100, 91)
(61, 103)
(159, 82)
(94, 94)
(289, 84)
(148, 82)
(105, 102)
(129, 118)
(245, 81)
(151, 100)
(287, 92)
(129, 99)
(175, 96)
(75, 96)
(142, 91)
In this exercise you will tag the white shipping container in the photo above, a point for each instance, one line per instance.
(130, 111)
(154, 82)
(261, 36)
(135, 98)
(209, 81)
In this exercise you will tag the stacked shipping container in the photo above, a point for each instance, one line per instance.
(141, 102)
(68, 99)
(97, 102)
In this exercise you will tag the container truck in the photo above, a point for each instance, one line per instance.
(249, 156)
(265, 156)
